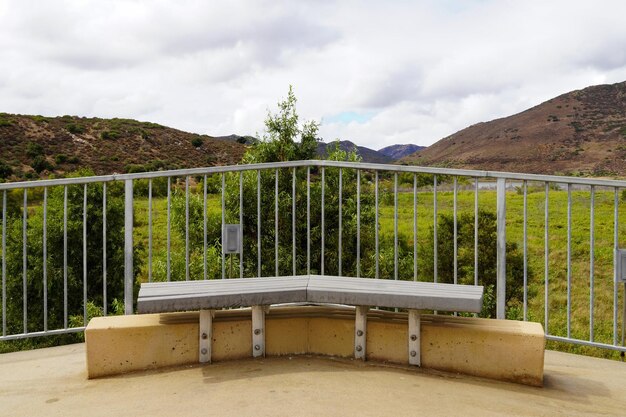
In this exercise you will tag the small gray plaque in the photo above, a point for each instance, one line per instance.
(230, 238)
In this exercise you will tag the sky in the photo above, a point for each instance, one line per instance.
(372, 72)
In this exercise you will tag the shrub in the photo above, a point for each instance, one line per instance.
(487, 257)
(110, 134)
(5, 170)
(60, 158)
(40, 164)
(197, 141)
(4, 121)
(75, 128)
(34, 149)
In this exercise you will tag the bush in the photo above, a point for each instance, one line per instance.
(40, 164)
(4, 121)
(110, 134)
(5, 170)
(75, 128)
(55, 270)
(60, 158)
(34, 149)
(197, 141)
(487, 257)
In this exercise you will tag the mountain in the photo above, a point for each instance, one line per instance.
(580, 132)
(368, 155)
(400, 151)
(36, 146)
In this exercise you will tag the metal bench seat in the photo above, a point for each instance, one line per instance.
(260, 293)
(162, 297)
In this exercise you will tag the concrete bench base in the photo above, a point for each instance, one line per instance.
(497, 349)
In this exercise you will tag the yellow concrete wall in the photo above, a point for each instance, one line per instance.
(504, 350)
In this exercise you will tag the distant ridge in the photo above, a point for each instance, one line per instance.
(368, 155)
(400, 151)
(582, 132)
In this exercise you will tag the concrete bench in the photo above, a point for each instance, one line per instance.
(260, 293)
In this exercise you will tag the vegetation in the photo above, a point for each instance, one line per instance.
(197, 141)
(56, 284)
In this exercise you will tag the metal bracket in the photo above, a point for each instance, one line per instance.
(414, 338)
(206, 335)
(258, 330)
(360, 332)
(621, 265)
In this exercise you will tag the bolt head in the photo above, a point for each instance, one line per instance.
(413, 337)
(204, 335)
(359, 348)
(359, 333)
(257, 331)
(257, 347)
(413, 353)
(204, 351)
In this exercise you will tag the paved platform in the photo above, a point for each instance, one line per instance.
(53, 382)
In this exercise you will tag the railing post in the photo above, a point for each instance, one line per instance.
(501, 249)
(128, 247)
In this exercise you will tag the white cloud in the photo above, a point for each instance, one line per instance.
(419, 70)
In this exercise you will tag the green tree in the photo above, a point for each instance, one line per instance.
(55, 261)
(487, 256)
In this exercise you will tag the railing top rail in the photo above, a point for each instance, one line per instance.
(317, 163)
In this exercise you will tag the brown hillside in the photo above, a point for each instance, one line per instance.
(581, 132)
(36, 146)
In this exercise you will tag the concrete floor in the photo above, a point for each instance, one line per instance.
(52, 382)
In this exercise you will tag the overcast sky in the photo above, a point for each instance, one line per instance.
(375, 73)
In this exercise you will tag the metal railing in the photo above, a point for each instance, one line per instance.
(369, 179)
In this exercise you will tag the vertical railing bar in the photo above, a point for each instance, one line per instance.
(358, 223)
(65, 257)
(546, 259)
(339, 244)
(501, 247)
(4, 263)
(615, 260)
(525, 249)
(276, 223)
(455, 225)
(85, 255)
(150, 230)
(376, 223)
(24, 262)
(45, 259)
(395, 225)
(169, 230)
(223, 223)
(308, 220)
(240, 224)
(591, 260)
(323, 224)
(293, 219)
(414, 227)
(569, 260)
(187, 228)
(104, 249)
(435, 243)
(204, 228)
(476, 231)
(258, 221)
(128, 247)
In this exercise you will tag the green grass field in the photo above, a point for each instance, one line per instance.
(557, 277)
